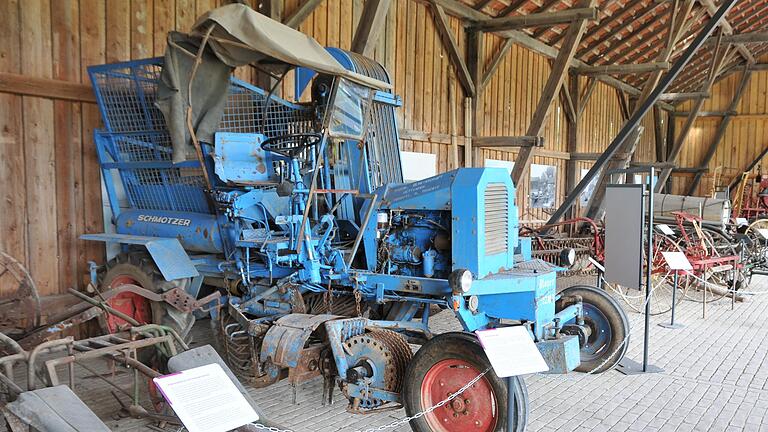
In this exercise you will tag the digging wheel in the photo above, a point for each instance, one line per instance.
(20, 310)
(609, 327)
(137, 268)
(444, 365)
(378, 359)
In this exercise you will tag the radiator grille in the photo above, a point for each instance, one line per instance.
(496, 218)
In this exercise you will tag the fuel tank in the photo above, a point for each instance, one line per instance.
(197, 232)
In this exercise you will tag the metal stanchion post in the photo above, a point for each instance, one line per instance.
(672, 324)
(704, 302)
(510, 403)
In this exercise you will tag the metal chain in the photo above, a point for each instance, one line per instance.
(401, 421)
(358, 298)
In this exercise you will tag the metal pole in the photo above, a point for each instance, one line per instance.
(643, 109)
(674, 300)
(648, 268)
(510, 404)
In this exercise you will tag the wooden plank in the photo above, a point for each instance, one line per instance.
(164, 20)
(67, 141)
(535, 20)
(670, 97)
(40, 163)
(12, 166)
(370, 26)
(551, 90)
(27, 85)
(452, 48)
(302, 13)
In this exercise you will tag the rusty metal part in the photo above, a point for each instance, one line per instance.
(383, 347)
(308, 366)
(20, 310)
(53, 331)
(176, 297)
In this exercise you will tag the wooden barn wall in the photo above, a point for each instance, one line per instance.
(745, 138)
(49, 175)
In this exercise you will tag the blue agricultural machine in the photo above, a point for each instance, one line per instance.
(294, 229)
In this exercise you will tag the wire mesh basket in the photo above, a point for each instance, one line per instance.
(137, 143)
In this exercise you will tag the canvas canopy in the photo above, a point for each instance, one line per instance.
(243, 36)
(234, 35)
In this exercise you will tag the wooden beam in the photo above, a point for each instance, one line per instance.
(301, 14)
(728, 30)
(475, 46)
(508, 141)
(572, 173)
(466, 13)
(741, 38)
(759, 67)
(584, 98)
(659, 138)
(671, 97)
(551, 89)
(371, 23)
(45, 87)
(272, 9)
(703, 113)
(622, 69)
(535, 20)
(721, 129)
(450, 45)
(495, 62)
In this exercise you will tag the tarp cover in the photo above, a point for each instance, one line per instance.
(238, 36)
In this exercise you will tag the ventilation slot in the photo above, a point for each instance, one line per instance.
(496, 214)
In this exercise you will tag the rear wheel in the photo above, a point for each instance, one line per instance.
(138, 269)
(444, 365)
(609, 339)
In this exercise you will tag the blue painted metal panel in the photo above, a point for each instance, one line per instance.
(239, 158)
(167, 253)
(197, 232)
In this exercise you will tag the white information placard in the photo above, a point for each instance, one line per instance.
(741, 221)
(677, 261)
(665, 229)
(511, 351)
(763, 233)
(206, 400)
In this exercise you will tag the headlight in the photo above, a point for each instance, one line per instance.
(460, 281)
(567, 257)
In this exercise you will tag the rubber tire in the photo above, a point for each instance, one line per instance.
(464, 346)
(141, 268)
(617, 319)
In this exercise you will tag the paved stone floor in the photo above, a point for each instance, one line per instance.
(715, 378)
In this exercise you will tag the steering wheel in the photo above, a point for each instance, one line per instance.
(290, 145)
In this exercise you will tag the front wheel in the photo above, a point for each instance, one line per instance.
(443, 366)
(609, 328)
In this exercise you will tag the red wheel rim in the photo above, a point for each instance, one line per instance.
(131, 304)
(474, 410)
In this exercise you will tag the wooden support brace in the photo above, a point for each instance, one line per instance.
(371, 23)
(508, 141)
(495, 62)
(622, 69)
(669, 97)
(450, 45)
(301, 14)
